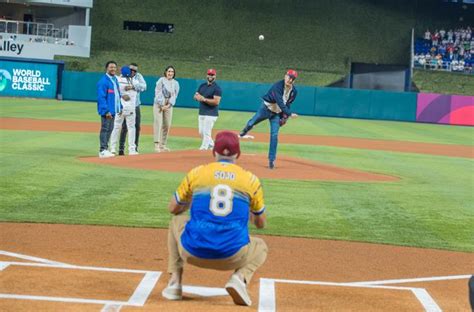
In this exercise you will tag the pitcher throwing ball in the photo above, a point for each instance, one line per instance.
(275, 108)
(221, 197)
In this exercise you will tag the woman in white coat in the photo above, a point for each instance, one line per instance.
(166, 92)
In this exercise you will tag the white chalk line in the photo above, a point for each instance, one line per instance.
(63, 299)
(75, 267)
(30, 258)
(267, 300)
(426, 300)
(111, 308)
(138, 298)
(3, 265)
(414, 280)
(144, 289)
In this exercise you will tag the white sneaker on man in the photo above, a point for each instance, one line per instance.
(237, 289)
(131, 153)
(247, 136)
(173, 292)
(106, 154)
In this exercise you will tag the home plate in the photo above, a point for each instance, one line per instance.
(205, 291)
(247, 136)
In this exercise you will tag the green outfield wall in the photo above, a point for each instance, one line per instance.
(245, 96)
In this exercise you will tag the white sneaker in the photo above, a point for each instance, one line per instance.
(173, 292)
(131, 153)
(247, 136)
(106, 154)
(165, 149)
(238, 290)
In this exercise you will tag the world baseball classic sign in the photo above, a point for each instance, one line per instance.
(28, 79)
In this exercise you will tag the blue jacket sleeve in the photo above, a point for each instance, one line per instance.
(102, 106)
(277, 93)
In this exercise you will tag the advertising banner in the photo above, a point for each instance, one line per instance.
(445, 109)
(28, 79)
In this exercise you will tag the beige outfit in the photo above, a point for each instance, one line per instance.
(166, 92)
(246, 261)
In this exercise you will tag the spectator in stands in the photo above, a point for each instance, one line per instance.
(442, 32)
(434, 39)
(421, 60)
(454, 65)
(439, 59)
(108, 104)
(434, 62)
(442, 50)
(427, 35)
(139, 85)
(450, 35)
(166, 92)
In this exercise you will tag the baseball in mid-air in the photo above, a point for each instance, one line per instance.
(261, 37)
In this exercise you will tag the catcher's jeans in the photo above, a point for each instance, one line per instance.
(123, 133)
(274, 119)
(129, 117)
(246, 261)
(161, 125)
(106, 126)
(206, 123)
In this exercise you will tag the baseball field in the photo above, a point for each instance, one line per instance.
(362, 214)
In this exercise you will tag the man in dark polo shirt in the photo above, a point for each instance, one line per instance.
(209, 96)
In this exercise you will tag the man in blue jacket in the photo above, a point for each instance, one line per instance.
(275, 108)
(108, 105)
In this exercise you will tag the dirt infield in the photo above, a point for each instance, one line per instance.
(383, 145)
(289, 168)
(299, 275)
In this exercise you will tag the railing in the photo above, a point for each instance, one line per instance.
(33, 29)
(444, 66)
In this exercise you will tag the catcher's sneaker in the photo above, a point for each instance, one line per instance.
(173, 292)
(237, 289)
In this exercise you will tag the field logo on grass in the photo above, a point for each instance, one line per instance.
(4, 78)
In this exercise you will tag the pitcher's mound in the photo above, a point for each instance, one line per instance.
(285, 167)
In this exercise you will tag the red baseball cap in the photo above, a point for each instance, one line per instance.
(211, 71)
(292, 73)
(226, 144)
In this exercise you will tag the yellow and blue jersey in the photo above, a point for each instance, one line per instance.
(221, 195)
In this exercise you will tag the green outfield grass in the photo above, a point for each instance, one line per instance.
(430, 206)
